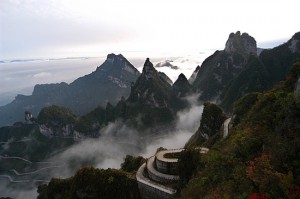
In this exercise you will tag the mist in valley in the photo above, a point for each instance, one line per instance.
(108, 151)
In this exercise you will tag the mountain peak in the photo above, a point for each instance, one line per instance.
(181, 86)
(148, 70)
(150, 89)
(148, 63)
(113, 57)
(182, 77)
(117, 63)
(243, 43)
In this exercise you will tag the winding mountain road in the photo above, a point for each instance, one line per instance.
(18, 158)
(12, 180)
(33, 172)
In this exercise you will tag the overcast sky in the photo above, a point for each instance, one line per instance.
(62, 28)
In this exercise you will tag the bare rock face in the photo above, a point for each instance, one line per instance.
(242, 43)
(218, 70)
(148, 70)
(194, 75)
(294, 43)
(150, 88)
(297, 90)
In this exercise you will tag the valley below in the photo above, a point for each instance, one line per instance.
(21, 175)
(241, 105)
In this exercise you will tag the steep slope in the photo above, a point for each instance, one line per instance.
(194, 75)
(150, 96)
(254, 78)
(109, 82)
(278, 61)
(150, 89)
(210, 127)
(262, 72)
(260, 157)
(165, 77)
(180, 89)
(92, 183)
(223, 66)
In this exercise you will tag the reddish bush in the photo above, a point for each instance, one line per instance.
(258, 196)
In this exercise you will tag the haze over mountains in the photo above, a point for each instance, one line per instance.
(117, 104)
(217, 79)
(113, 78)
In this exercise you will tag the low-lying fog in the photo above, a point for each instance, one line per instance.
(110, 149)
(117, 140)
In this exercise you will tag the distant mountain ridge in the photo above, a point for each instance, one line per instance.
(108, 83)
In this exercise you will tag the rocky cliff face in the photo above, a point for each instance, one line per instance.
(150, 89)
(150, 98)
(223, 66)
(241, 43)
(294, 44)
(262, 72)
(194, 75)
(181, 87)
(237, 70)
(165, 77)
(210, 126)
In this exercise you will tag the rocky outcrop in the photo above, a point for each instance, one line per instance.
(150, 98)
(210, 127)
(294, 44)
(237, 70)
(181, 87)
(262, 72)
(180, 90)
(150, 89)
(222, 67)
(241, 43)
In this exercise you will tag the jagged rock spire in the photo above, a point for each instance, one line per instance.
(148, 70)
(150, 89)
(182, 77)
(181, 86)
